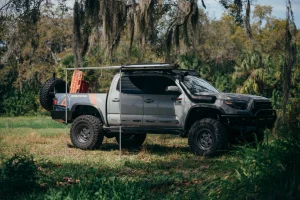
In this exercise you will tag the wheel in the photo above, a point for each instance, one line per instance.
(131, 140)
(48, 90)
(207, 137)
(87, 132)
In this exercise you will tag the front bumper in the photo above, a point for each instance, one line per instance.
(264, 118)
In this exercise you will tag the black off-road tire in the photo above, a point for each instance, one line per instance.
(131, 140)
(48, 90)
(207, 137)
(87, 132)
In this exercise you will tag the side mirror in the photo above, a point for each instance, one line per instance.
(173, 89)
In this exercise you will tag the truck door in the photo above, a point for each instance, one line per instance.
(159, 106)
(131, 102)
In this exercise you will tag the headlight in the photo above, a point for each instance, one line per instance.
(237, 104)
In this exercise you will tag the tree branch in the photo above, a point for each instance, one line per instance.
(5, 5)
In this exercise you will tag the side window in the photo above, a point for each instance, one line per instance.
(157, 85)
(131, 85)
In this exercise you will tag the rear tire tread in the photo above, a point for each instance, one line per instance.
(95, 126)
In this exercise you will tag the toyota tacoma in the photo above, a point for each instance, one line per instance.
(159, 99)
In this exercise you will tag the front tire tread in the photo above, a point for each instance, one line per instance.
(219, 134)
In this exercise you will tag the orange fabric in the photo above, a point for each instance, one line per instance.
(76, 81)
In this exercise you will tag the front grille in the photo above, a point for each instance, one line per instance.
(259, 105)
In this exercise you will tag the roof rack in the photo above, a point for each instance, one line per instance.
(155, 66)
(190, 72)
(164, 71)
(128, 67)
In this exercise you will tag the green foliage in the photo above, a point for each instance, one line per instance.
(66, 62)
(276, 99)
(189, 62)
(257, 73)
(18, 174)
(101, 188)
(8, 76)
(269, 171)
(293, 115)
(223, 83)
(17, 103)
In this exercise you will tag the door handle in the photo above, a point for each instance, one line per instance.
(116, 100)
(149, 100)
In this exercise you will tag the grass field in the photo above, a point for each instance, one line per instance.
(164, 165)
(164, 168)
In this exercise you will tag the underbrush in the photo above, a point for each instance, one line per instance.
(36, 164)
(269, 171)
(85, 182)
(19, 174)
(98, 188)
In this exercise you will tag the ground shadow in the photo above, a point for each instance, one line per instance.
(150, 148)
(162, 150)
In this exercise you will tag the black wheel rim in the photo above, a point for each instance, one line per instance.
(205, 139)
(84, 134)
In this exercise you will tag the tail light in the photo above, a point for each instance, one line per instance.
(54, 101)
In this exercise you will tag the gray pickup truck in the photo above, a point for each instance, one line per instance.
(159, 99)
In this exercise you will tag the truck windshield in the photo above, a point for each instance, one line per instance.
(197, 85)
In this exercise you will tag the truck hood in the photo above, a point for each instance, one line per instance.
(227, 96)
(243, 97)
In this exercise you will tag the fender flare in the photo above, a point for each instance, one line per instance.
(206, 106)
(90, 105)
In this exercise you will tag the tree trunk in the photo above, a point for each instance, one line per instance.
(76, 36)
(247, 22)
(290, 56)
